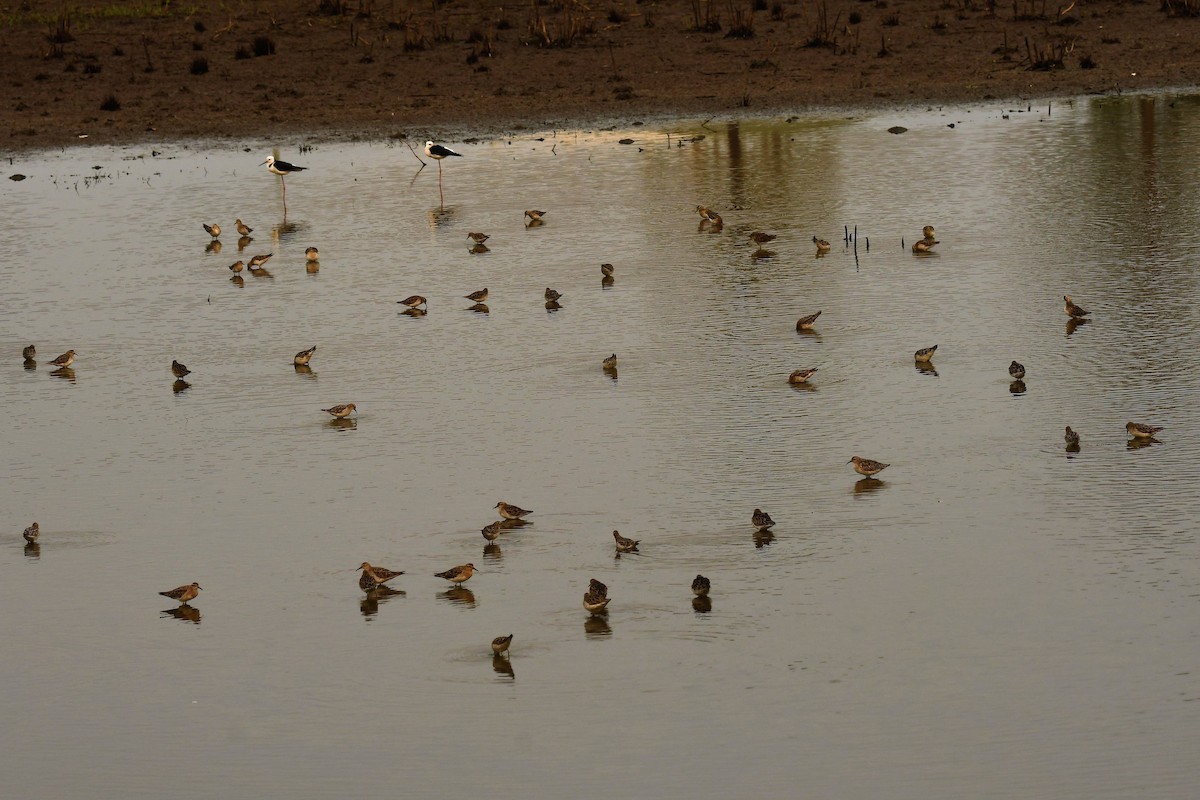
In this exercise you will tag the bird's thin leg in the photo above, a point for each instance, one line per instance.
(283, 180)
(441, 197)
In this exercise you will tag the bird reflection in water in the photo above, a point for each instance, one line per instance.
(479, 308)
(304, 369)
(492, 551)
(184, 613)
(552, 306)
(702, 605)
(343, 424)
(763, 538)
(513, 524)
(1074, 324)
(479, 248)
(238, 281)
(416, 313)
(30, 363)
(33, 550)
(243, 241)
(459, 596)
(369, 605)
(1137, 443)
(442, 216)
(284, 230)
(213, 247)
(180, 385)
(607, 282)
(1017, 388)
(502, 666)
(925, 368)
(65, 373)
(868, 485)
(596, 625)
(762, 254)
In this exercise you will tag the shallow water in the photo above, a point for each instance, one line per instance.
(995, 617)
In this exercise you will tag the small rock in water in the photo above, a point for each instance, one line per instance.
(625, 141)
(16, 176)
(897, 129)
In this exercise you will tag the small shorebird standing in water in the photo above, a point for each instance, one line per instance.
(822, 245)
(606, 270)
(214, 230)
(500, 644)
(807, 323)
(312, 254)
(492, 532)
(478, 238)
(1073, 311)
(552, 295)
(596, 597)
(1140, 431)
(927, 232)
(925, 354)
(413, 301)
(242, 228)
(282, 169)
(701, 586)
(341, 411)
(258, 260)
(478, 297)
(924, 246)
(236, 267)
(625, 545)
(179, 370)
(32, 533)
(302, 358)
(1071, 438)
(183, 593)
(510, 511)
(1016, 370)
(609, 363)
(65, 360)
(708, 215)
(867, 467)
(535, 215)
(761, 519)
(457, 574)
(29, 352)
(762, 237)
(801, 375)
(373, 577)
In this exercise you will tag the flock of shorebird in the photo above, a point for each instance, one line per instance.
(373, 578)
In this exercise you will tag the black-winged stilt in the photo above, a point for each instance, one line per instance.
(437, 152)
(282, 169)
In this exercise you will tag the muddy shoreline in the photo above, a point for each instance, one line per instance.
(126, 74)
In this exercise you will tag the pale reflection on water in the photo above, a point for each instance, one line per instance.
(998, 615)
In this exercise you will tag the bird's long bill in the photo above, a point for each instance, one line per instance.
(265, 161)
(851, 461)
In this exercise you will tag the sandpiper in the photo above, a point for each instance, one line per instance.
(609, 363)
(596, 597)
(492, 531)
(552, 296)
(606, 270)
(924, 245)
(65, 360)
(927, 232)
(925, 354)
(179, 370)
(302, 358)
(822, 245)
(867, 467)
(807, 323)
(413, 301)
(801, 375)
(373, 577)
(1140, 431)
(258, 260)
(1073, 311)
(500, 644)
(701, 585)
(214, 230)
(1017, 370)
(761, 519)
(342, 410)
(478, 238)
(457, 574)
(510, 511)
(1071, 437)
(708, 215)
(237, 267)
(534, 214)
(242, 228)
(625, 545)
(32, 533)
(183, 593)
(478, 297)
(29, 352)
(762, 237)
(311, 254)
